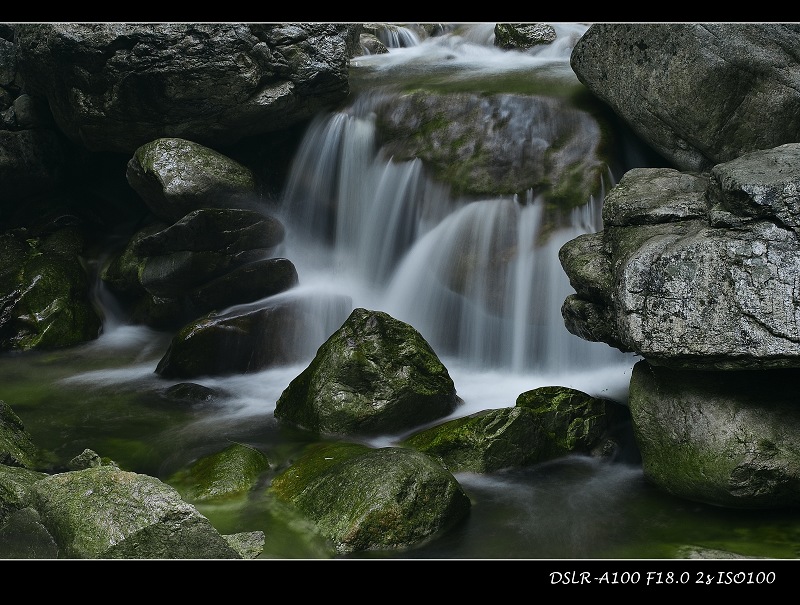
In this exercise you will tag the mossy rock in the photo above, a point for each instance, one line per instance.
(374, 375)
(373, 499)
(227, 474)
(484, 442)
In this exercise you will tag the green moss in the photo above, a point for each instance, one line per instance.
(317, 458)
(226, 474)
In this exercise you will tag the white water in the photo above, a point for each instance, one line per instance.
(469, 275)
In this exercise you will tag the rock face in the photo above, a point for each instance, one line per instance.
(31, 163)
(695, 271)
(374, 375)
(725, 438)
(699, 93)
(116, 86)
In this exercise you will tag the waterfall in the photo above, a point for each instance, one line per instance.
(474, 277)
(398, 36)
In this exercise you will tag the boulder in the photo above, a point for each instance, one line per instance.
(366, 499)
(523, 36)
(545, 424)
(113, 87)
(374, 375)
(723, 438)
(249, 339)
(107, 513)
(700, 94)
(175, 176)
(694, 271)
(501, 144)
(16, 446)
(222, 475)
(44, 289)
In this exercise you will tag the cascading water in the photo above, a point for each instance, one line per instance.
(476, 277)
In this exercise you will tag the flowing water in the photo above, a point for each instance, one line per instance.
(390, 237)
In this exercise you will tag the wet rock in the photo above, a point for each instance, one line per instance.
(375, 374)
(106, 513)
(373, 499)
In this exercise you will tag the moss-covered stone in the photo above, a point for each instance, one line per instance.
(106, 513)
(122, 273)
(483, 442)
(44, 289)
(23, 536)
(726, 438)
(175, 176)
(375, 374)
(373, 499)
(16, 446)
(15, 489)
(522, 36)
(226, 474)
(487, 144)
(572, 421)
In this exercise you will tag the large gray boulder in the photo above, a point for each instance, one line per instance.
(498, 144)
(699, 93)
(374, 375)
(724, 438)
(116, 86)
(695, 271)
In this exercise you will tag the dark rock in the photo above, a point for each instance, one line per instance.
(375, 374)
(175, 176)
(116, 86)
(246, 340)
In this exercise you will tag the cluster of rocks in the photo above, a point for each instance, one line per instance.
(374, 375)
(695, 269)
